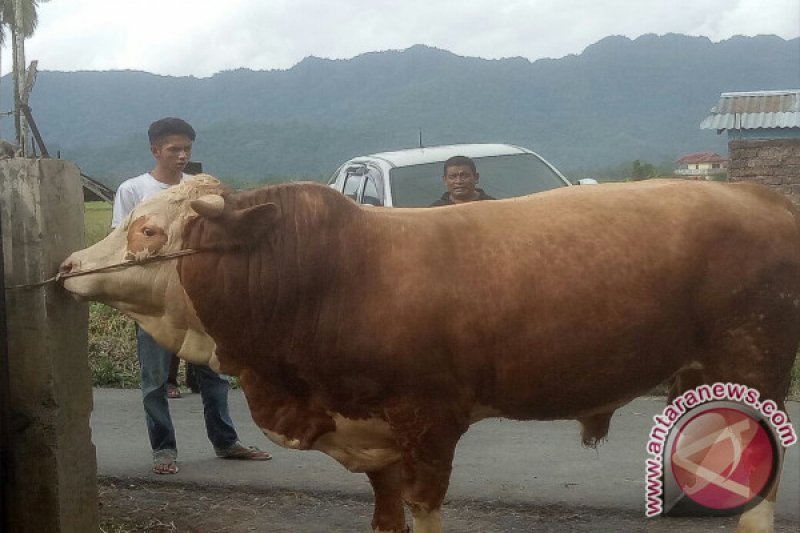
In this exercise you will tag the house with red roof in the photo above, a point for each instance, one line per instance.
(702, 165)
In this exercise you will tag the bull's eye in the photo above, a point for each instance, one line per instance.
(148, 232)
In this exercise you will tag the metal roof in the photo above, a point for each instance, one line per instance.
(751, 110)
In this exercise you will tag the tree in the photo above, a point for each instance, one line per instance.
(643, 171)
(21, 17)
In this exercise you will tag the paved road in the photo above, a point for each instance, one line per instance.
(519, 464)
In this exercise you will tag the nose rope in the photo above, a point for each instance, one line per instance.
(123, 264)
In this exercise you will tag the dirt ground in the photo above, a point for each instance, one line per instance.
(128, 506)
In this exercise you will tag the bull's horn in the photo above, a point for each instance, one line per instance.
(209, 206)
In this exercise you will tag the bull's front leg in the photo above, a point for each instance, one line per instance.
(426, 476)
(389, 516)
(427, 433)
(425, 494)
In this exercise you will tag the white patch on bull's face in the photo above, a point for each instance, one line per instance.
(359, 445)
(151, 293)
(140, 255)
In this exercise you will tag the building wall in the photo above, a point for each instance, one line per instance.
(775, 163)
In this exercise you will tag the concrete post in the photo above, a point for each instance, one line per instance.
(53, 470)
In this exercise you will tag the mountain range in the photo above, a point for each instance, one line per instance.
(619, 100)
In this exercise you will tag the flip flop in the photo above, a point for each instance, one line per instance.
(173, 391)
(165, 464)
(242, 452)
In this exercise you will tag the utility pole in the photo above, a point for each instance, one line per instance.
(18, 46)
(30, 124)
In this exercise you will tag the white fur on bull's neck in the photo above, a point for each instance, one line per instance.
(194, 188)
(178, 197)
(192, 343)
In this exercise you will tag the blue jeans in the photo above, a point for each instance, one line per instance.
(154, 365)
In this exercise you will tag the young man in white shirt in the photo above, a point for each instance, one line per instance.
(171, 145)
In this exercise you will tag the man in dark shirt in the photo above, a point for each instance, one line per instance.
(461, 177)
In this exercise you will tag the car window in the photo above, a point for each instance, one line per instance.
(354, 176)
(351, 185)
(335, 176)
(502, 176)
(373, 189)
(363, 183)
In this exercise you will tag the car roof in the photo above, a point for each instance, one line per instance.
(433, 154)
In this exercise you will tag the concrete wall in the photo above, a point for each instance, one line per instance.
(774, 162)
(53, 471)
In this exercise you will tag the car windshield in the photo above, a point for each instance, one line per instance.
(503, 176)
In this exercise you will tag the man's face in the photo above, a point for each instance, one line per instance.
(460, 181)
(173, 153)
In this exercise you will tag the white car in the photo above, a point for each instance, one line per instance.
(413, 177)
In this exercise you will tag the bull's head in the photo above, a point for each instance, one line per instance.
(149, 292)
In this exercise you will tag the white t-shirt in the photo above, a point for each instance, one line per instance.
(132, 191)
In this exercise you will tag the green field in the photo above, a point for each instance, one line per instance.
(97, 221)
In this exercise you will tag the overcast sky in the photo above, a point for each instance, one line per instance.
(201, 37)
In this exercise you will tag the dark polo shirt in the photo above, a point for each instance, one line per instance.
(445, 199)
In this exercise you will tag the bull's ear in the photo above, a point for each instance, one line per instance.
(209, 206)
(258, 215)
(254, 222)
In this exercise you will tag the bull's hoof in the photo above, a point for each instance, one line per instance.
(759, 519)
(757, 529)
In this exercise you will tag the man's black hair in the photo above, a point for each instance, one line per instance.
(162, 128)
(460, 161)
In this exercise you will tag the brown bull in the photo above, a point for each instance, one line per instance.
(378, 336)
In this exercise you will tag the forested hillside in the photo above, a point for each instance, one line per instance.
(618, 101)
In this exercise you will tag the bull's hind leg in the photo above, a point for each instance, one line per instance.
(761, 517)
(770, 385)
(757, 349)
(389, 515)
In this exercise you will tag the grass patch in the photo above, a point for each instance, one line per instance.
(112, 348)
(97, 221)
